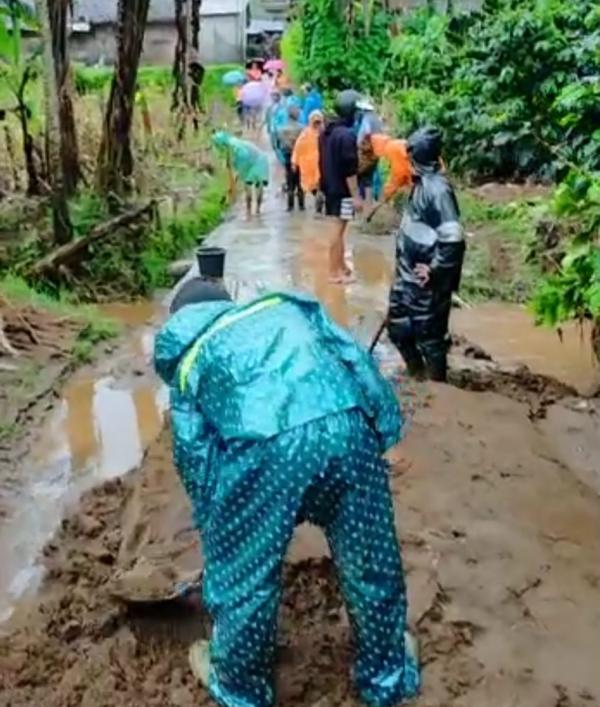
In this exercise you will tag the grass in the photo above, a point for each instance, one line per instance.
(95, 326)
(7, 431)
(496, 264)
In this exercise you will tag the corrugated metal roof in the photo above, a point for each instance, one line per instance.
(104, 11)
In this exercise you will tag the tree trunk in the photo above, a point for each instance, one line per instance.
(179, 61)
(115, 160)
(188, 73)
(58, 10)
(63, 229)
(196, 68)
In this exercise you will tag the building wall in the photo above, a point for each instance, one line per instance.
(221, 41)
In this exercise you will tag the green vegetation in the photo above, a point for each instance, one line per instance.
(501, 235)
(17, 291)
(98, 79)
(339, 48)
(95, 327)
(571, 290)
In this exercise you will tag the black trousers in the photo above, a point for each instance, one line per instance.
(422, 340)
(292, 183)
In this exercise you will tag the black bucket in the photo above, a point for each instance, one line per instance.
(211, 262)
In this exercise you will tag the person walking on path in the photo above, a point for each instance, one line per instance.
(430, 249)
(254, 471)
(247, 163)
(338, 156)
(287, 137)
(366, 125)
(313, 100)
(305, 158)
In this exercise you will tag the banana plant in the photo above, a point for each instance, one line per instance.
(17, 71)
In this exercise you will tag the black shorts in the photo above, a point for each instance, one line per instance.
(340, 207)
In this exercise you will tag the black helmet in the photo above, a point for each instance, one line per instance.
(345, 103)
(198, 290)
(425, 145)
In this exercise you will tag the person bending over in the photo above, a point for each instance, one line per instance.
(279, 417)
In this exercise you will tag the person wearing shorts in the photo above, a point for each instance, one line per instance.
(338, 156)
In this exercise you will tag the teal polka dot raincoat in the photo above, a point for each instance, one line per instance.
(278, 416)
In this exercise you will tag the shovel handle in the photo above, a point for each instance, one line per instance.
(378, 335)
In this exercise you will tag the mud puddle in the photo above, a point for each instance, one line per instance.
(98, 430)
(508, 334)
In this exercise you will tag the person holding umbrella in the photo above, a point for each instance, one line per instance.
(236, 79)
(253, 96)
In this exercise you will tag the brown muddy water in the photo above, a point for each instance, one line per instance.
(108, 416)
(105, 420)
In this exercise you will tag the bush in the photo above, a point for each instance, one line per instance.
(338, 51)
(516, 87)
(572, 291)
(98, 79)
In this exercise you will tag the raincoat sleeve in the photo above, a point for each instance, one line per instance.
(400, 171)
(384, 407)
(450, 245)
(194, 444)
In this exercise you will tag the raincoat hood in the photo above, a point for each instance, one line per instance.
(180, 332)
(425, 150)
(315, 117)
(222, 139)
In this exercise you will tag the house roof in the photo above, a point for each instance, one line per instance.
(105, 11)
(266, 27)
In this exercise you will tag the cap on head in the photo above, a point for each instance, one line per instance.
(199, 290)
(346, 104)
(425, 145)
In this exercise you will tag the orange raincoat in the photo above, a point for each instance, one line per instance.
(305, 156)
(397, 155)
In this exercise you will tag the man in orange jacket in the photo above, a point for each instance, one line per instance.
(395, 152)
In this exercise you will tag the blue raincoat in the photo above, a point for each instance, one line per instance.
(249, 162)
(278, 416)
(279, 119)
(312, 102)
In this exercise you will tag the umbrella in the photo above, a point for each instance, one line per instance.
(234, 78)
(254, 94)
(274, 65)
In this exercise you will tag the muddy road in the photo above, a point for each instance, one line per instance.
(496, 494)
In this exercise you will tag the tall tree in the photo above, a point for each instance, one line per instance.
(63, 230)
(59, 11)
(188, 73)
(115, 160)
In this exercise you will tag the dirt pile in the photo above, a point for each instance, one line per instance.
(35, 347)
(500, 543)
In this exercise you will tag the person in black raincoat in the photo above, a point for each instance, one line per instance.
(430, 250)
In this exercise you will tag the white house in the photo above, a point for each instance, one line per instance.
(222, 31)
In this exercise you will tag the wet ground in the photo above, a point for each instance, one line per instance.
(498, 512)
(98, 429)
